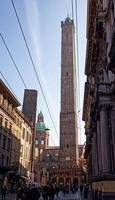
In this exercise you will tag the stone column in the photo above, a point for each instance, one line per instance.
(93, 158)
(99, 147)
(95, 154)
(105, 147)
(113, 133)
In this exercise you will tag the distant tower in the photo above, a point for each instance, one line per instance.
(30, 105)
(68, 116)
(42, 133)
(29, 110)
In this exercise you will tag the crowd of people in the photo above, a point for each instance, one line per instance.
(46, 192)
(49, 192)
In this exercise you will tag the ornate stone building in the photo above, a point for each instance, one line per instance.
(48, 167)
(99, 98)
(60, 164)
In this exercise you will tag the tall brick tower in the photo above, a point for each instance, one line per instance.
(68, 117)
(30, 105)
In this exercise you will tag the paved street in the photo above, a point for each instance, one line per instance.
(9, 197)
(69, 196)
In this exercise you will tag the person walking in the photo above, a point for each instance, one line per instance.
(86, 191)
(3, 191)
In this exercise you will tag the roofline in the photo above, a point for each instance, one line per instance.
(17, 103)
(22, 115)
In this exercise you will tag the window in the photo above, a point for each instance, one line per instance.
(20, 124)
(10, 108)
(30, 139)
(21, 150)
(23, 133)
(4, 142)
(6, 124)
(27, 136)
(8, 146)
(17, 122)
(6, 103)
(36, 141)
(1, 98)
(2, 160)
(7, 161)
(42, 142)
(10, 126)
(1, 120)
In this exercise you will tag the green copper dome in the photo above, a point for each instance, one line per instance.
(40, 126)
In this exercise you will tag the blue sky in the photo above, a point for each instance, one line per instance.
(41, 21)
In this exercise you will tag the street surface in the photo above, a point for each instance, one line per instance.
(69, 196)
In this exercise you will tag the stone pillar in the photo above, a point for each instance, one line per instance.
(105, 147)
(95, 154)
(113, 134)
(99, 147)
(93, 158)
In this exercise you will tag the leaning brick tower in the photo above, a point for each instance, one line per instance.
(68, 116)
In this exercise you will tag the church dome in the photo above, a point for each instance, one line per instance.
(40, 125)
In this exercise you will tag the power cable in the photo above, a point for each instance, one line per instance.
(8, 84)
(72, 10)
(27, 46)
(15, 65)
(78, 75)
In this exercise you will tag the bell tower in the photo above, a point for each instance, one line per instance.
(68, 117)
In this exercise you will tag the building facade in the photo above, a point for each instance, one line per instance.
(48, 167)
(15, 137)
(23, 130)
(8, 103)
(99, 98)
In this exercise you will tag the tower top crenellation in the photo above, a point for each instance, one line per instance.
(67, 21)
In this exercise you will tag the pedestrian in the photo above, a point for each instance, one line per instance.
(51, 192)
(86, 191)
(45, 192)
(81, 189)
(57, 191)
(4, 190)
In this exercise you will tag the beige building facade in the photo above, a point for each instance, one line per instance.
(15, 136)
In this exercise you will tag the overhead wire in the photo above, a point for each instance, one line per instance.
(72, 10)
(32, 61)
(78, 75)
(8, 84)
(17, 69)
